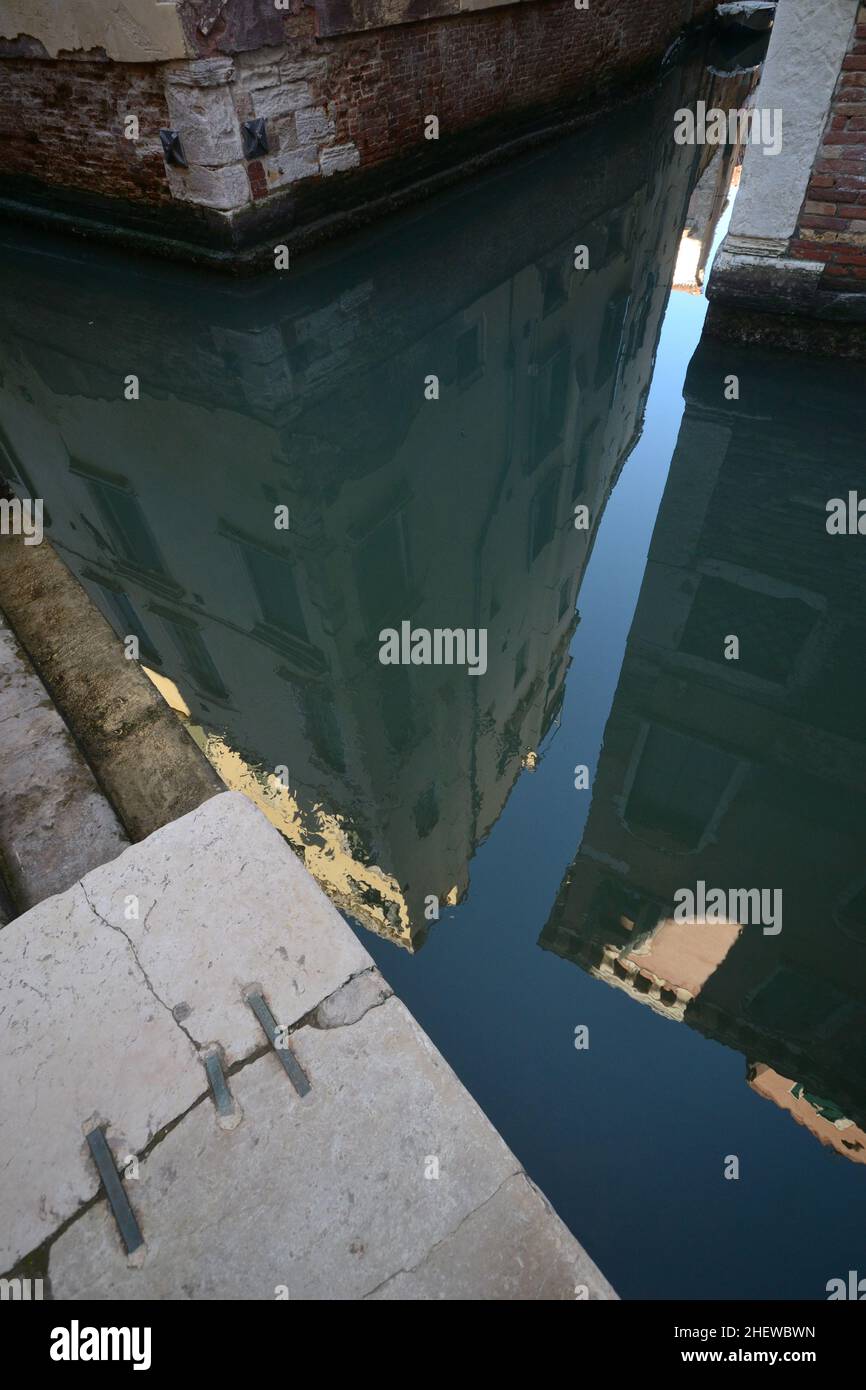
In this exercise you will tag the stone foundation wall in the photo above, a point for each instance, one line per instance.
(338, 98)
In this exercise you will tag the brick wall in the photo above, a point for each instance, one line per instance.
(351, 105)
(61, 123)
(832, 222)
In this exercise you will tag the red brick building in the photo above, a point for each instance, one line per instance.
(211, 126)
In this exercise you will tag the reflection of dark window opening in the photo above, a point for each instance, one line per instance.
(542, 516)
(127, 623)
(553, 291)
(553, 710)
(125, 522)
(610, 339)
(677, 787)
(564, 596)
(194, 654)
(469, 354)
(277, 595)
(520, 665)
(641, 319)
(772, 630)
(616, 238)
(426, 812)
(550, 404)
(383, 574)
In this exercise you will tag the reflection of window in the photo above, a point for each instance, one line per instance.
(772, 630)
(610, 341)
(469, 355)
(564, 595)
(194, 654)
(383, 575)
(127, 622)
(273, 580)
(550, 403)
(617, 240)
(553, 291)
(677, 787)
(542, 516)
(793, 1003)
(520, 665)
(124, 520)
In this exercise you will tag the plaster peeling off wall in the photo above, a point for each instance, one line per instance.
(125, 31)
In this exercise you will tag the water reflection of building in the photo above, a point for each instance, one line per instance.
(748, 773)
(308, 391)
(707, 205)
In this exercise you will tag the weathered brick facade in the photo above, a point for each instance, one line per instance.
(344, 89)
(832, 222)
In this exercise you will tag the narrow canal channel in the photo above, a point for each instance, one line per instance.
(579, 483)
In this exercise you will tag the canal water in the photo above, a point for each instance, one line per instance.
(448, 423)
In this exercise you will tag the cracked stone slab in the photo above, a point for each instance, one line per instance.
(82, 1039)
(513, 1247)
(100, 1010)
(223, 903)
(333, 1196)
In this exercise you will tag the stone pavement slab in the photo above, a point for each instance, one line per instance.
(333, 1196)
(101, 1012)
(385, 1179)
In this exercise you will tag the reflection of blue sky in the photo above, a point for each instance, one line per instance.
(628, 1140)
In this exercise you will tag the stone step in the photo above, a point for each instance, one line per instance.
(383, 1180)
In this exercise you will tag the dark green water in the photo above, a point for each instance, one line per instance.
(605, 648)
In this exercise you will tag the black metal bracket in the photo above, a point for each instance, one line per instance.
(172, 148)
(255, 138)
(292, 1066)
(114, 1190)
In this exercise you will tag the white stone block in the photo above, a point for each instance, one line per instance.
(338, 158)
(222, 189)
(313, 125)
